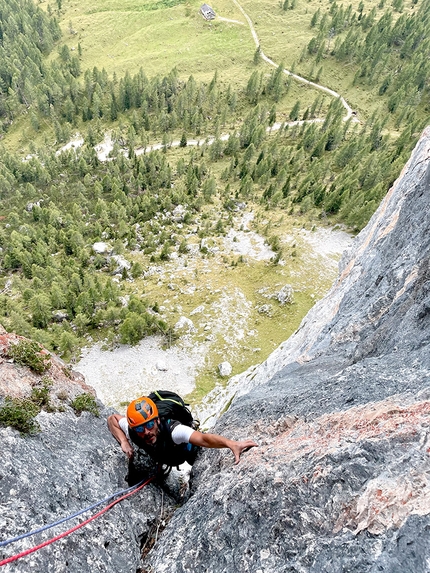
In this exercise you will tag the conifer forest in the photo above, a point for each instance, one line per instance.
(262, 144)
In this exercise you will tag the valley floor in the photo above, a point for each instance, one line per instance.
(222, 328)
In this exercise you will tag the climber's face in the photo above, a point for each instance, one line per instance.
(148, 432)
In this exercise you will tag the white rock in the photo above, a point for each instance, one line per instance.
(161, 366)
(184, 323)
(178, 213)
(121, 263)
(60, 315)
(200, 308)
(225, 369)
(265, 309)
(30, 206)
(285, 295)
(100, 248)
(124, 301)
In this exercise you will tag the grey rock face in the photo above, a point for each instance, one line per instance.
(72, 464)
(341, 479)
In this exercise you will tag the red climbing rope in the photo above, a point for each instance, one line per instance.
(65, 533)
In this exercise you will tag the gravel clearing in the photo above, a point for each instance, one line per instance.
(328, 243)
(127, 372)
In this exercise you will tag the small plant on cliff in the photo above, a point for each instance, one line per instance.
(28, 353)
(19, 414)
(40, 395)
(85, 403)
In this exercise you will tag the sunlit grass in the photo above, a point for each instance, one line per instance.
(122, 36)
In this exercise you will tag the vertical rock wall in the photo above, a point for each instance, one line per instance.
(71, 464)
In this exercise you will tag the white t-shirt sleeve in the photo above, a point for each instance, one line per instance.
(124, 426)
(181, 434)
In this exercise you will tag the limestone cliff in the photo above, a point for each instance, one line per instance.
(340, 481)
(70, 464)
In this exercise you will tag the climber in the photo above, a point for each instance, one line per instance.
(168, 442)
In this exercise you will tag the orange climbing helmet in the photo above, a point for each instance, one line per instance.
(141, 411)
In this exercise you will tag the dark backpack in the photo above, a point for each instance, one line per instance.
(172, 407)
(165, 452)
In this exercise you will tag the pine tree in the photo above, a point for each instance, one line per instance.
(315, 18)
(253, 87)
(40, 308)
(257, 56)
(272, 116)
(294, 113)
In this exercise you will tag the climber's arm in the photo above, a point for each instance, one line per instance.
(119, 435)
(217, 441)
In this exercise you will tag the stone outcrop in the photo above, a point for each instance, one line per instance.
(17, 381)
(341, 412)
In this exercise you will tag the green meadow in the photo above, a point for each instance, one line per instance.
(159, 36)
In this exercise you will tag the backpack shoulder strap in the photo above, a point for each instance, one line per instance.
(169, 396)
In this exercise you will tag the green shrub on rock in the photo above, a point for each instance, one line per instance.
(19, 414)
(85, 403)
(28, 353)
(40, 395)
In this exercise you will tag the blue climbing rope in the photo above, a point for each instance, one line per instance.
(49, 525)
(17, 556)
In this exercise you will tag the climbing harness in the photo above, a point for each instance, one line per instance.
(126, 493)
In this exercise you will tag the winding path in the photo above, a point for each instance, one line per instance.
(103, 149)
(329, 91)
(209, 140)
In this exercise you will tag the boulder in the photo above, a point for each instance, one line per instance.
(101, 248)
(225, 369)
(185, 323)
(285, 295)
(161, 366)
(121, 264)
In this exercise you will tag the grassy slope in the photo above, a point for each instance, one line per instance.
(127, 35)
(121, 36)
